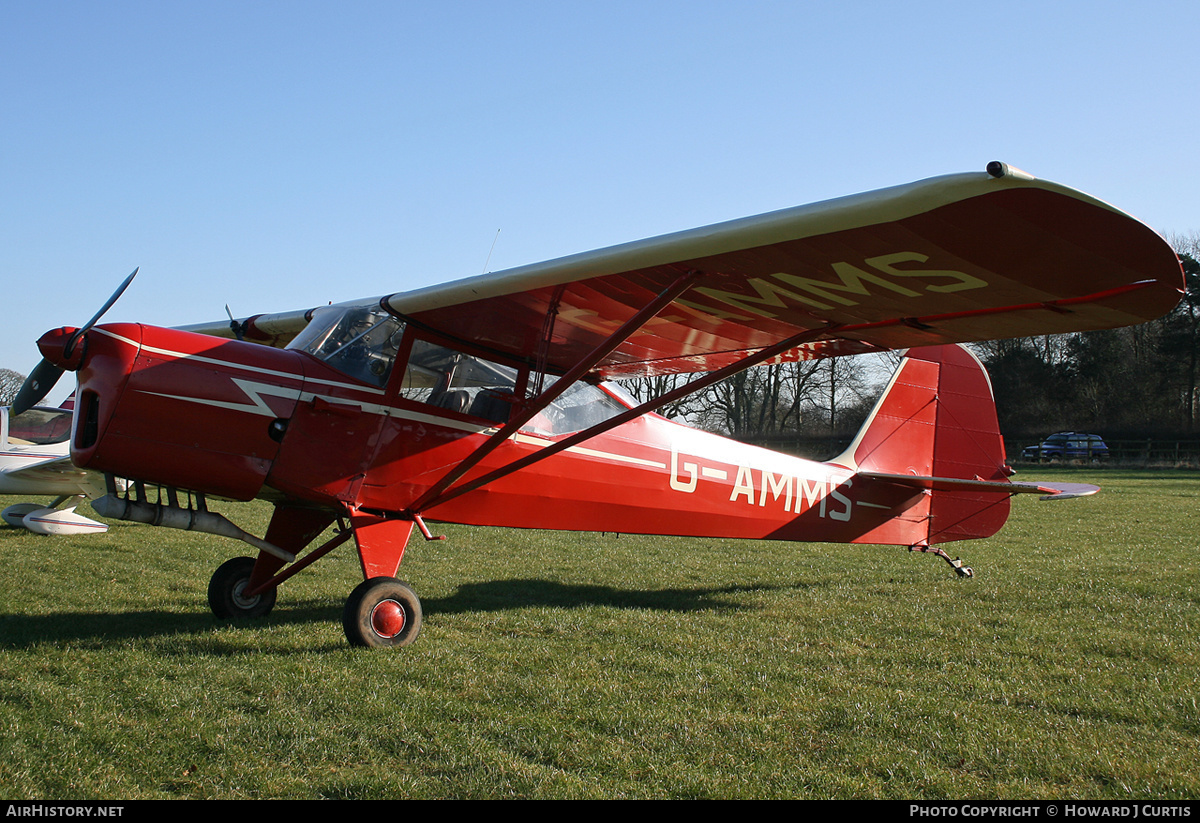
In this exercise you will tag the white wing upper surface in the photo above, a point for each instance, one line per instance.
(958, 258)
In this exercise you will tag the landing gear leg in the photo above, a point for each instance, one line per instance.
(246, 587)
(956, 564)
(381, 612)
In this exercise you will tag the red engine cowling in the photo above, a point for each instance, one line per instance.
(180, 409)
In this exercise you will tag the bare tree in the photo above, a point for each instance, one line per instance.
(844, 385)
(648, 388)
(764, 401)
(10, 384)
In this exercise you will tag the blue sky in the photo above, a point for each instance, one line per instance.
(281, 155)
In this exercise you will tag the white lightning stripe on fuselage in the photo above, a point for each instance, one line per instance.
(637, 461)
(177, 355)
(254, 391)
(258, 406)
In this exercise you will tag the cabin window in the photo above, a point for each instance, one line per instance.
(579, 407)
(468, 384)
(359, 342)
(460, 382)
(39, 427)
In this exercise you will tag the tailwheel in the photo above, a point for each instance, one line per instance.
(382, 612)
(226, 591)
(959, 567)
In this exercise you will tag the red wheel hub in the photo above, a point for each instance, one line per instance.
(388, 618)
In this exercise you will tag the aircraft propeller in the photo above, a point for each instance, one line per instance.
(45, 374)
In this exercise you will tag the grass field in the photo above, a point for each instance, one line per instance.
(559, 665)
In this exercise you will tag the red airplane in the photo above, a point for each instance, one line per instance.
(487, 401)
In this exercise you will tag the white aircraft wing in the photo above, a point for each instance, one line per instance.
(21, 474)
(951, 259)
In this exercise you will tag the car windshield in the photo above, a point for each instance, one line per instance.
(360, 342)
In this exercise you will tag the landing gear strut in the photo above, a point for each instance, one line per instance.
(381, 612)
(956, 563)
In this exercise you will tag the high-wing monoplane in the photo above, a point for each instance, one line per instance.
(490, 400)
(35, 460)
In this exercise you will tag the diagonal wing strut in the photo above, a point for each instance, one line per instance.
(445, 489)
(530, 410)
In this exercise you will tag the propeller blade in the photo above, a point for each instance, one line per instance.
(108, 305)
(45, 374)
(39, 383)
(115, 297)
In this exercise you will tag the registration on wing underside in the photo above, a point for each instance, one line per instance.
(777, 293)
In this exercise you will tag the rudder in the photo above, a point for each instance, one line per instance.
(937, 419)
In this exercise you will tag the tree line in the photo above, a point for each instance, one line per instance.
(1134, 382)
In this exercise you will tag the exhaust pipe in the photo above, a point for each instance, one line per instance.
(177, 517)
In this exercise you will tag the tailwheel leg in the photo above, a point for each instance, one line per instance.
(956, 564)
(382, 612)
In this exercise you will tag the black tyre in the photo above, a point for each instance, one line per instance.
(382, 612)
(225, 591)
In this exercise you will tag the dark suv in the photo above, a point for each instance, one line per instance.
(1068, 446)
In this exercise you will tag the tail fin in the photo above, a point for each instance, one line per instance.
(936, 421)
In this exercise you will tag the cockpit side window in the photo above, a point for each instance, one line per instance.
(461, 382)
(38, 427)
(472, 385)
(360, 342)
(581, 406)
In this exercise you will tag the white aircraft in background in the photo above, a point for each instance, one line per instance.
(35, 459)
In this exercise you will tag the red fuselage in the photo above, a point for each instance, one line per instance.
(239, 420)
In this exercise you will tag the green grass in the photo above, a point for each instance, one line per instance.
(559, 665)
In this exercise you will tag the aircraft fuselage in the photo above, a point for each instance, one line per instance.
(239, 420)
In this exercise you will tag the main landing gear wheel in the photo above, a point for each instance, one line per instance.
(226, 590)
(382, 612)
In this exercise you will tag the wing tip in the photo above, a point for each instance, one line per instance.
(999, 170)
(1069, 491)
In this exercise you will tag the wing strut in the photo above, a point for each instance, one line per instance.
(442, 492)
(531, 409)
(691, 386)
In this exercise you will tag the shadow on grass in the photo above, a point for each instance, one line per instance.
(102, 628)
(20, 631)
(501, 595)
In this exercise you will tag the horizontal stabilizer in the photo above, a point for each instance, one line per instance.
(1050, 491)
